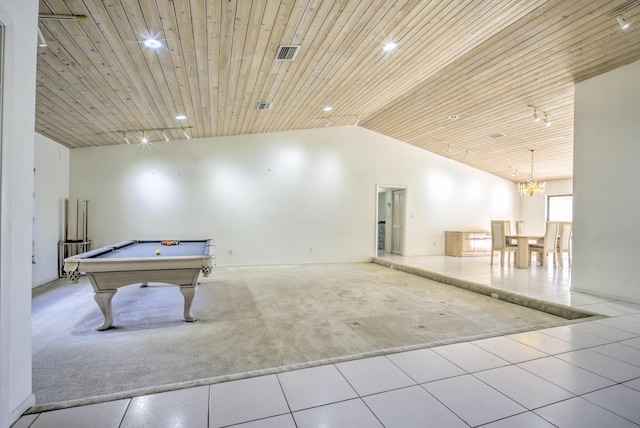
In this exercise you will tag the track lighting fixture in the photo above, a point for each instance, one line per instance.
(145, 136)
(62, 17)
(623, 24)
(537, 113)
(341, 118)
(619, 13)
(452, 148)
(42, 43)
(144, 139)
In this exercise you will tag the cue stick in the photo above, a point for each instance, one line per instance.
(66, 219)
(77, 216)
(86, 222)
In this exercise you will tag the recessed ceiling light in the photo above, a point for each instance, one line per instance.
(181, 117)
(328, 108)
(152, 43)
(453, 116)
(389, 46)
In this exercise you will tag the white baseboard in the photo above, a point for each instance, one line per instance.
(29, 402)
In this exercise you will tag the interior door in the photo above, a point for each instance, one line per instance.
(397, 222)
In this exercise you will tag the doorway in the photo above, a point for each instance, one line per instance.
(390, 219)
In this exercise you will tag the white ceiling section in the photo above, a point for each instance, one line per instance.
(485, 62)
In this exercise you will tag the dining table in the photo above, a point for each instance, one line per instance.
(522, 254)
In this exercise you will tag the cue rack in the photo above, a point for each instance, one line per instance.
(75, 233)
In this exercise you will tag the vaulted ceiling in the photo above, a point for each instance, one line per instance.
(485, 62)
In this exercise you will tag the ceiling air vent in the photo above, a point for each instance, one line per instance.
(287, 52)
(263, 106)
(496, 135)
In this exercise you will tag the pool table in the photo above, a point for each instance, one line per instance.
(133, 262)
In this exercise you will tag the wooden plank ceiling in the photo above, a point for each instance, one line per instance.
(484, 61)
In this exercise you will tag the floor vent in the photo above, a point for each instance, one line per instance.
(263, 106)
(287, 52)
(497, 135)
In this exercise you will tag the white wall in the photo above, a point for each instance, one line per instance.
(20, 19)
(533, 209)
(606, 201)
(288, 197)
(51, 187)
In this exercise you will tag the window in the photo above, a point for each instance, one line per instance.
(560, 208)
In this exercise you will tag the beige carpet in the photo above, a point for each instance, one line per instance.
(251, 321)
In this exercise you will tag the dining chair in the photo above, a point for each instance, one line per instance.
(549, 243)
(499, 230)
(520, 227)
(565, 230)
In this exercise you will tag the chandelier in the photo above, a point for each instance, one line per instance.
(531, 186)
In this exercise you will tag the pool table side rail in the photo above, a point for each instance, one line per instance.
(87, 261)
(139, 263)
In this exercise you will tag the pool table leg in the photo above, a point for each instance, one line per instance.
(103, 299)
(188, 291)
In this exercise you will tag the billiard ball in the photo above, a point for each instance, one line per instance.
(157, 252)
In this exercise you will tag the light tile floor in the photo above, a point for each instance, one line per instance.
(579, 375)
